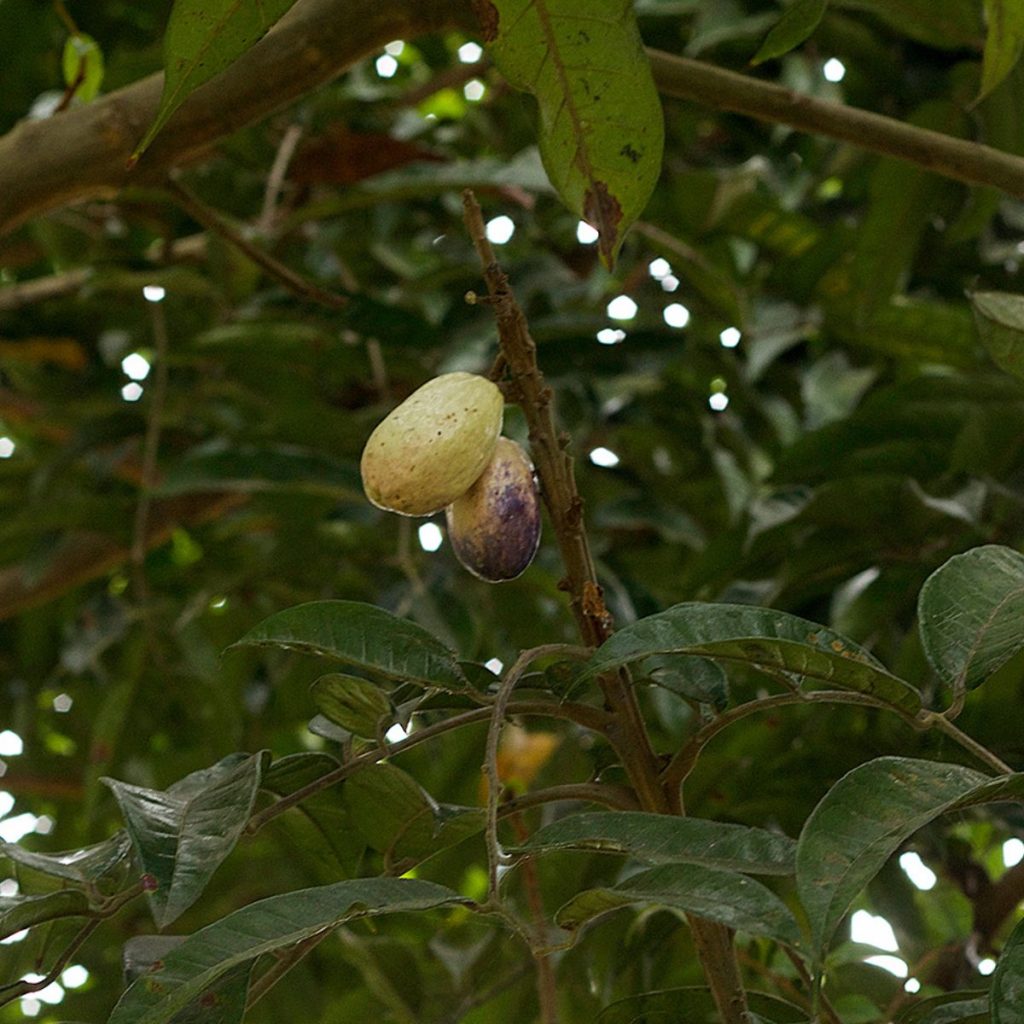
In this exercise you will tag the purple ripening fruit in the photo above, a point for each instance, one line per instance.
(494, 528)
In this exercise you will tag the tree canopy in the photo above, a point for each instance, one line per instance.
(741, 745)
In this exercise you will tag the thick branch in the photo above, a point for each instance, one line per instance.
(715, 87)
(81, 153)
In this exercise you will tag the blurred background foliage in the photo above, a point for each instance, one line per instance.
(777, 397)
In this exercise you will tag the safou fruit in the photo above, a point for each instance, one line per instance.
(494, 528)
(429, 449)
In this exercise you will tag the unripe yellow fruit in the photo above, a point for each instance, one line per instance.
(432, 447)
(494, 528)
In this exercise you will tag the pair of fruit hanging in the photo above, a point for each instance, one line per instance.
(442, 449)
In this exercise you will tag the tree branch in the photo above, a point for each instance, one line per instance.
(82, 153)
(710, 86)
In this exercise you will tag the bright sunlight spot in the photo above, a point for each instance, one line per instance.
(622, 307)
(62, 703)
(917, 871)
(585, 234)
(386, 66)
(6, 806)
(396, 733)
(6, 447)
(16, 937)
(52, 994)
(611, 335)
(11, 744)
(659, 268)
(500, 229)
(912, 985)
(135, 366)
(470, 53)
(154, 293)
(892, 964)
(74, 976)
(30, 1006)
(872, 931)
(719, 401)
(834, 70)
(604, 457)
(676, 315)
(474, 90)
(1013, 852)
(13, 830)
(9, 887)
(430, 536)
(730, 337)
(395, 47)
(669, 283)
(131, 392)
(986, 966)
(495, 665)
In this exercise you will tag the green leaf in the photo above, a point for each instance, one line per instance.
(82, 63)
(723, 896)
(601, 125)
(1000, 320)
(181, 835)
(363, 636)
(204, 37)
(659, 839)
(353, 703)
(969, 611)
(756, 636)
(20, 912)
(224, 1002)
(865, 817)
(399, 818)
(325, 811)
(263, 927)
(696, 679)
(797, 23)
(1004, 42)
(1008, 980)
(694, 1006)
(949, 1008)
(85, 866)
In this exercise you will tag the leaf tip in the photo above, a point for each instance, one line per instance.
(603, 210)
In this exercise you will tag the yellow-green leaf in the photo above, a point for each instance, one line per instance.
(601, 127)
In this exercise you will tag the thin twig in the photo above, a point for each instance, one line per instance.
(620, 798)
(982, 753)
(494, 784)
(213, 221)
(8, 993)
(275, 180)
(582, 714)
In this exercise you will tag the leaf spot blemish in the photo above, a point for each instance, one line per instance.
(630, 153)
